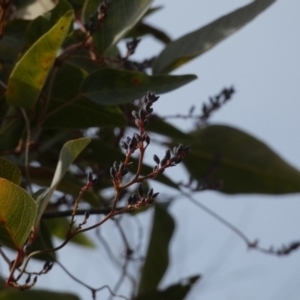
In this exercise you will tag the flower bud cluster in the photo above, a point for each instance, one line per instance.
(142, 116)
(118, 170)
(97, 17)
(170, 161)
(143, 197)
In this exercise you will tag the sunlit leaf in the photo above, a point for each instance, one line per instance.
(176, 291)
(243, 163)
(157, 259)
(121, 17)
(30, 73)
(68, 154)
(195, 43)
(10, 171)
(112, 87)
(17, 214)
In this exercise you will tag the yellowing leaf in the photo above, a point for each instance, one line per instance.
(30, 73)
(17, 214)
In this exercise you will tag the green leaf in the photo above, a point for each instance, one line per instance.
(68, 154)
(59, 227)
(195, 43)
(176, 291)
(44, 23)
(10, 171)
(113, 87)
(82, 113)
(243, 163)
(122, 15)
(30, 73)
(17, 214)
(157, 259)
(10, 294)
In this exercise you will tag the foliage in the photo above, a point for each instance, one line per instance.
(62, 74)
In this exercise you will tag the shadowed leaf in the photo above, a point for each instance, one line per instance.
(10, 171)
(243, 163)
(157, 259)
(122, 15)
(112, 87)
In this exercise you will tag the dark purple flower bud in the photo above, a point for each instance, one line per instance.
(146, 122)
(124, 171)
(128, 139)
(138, 137)
(135, 114)
(140, 190)
(116, 166)
(156, 159)
(150, 193)
(163, 161)
(179, 148)
(90, 177)
(113, 172)
(86, 215)
(155, 168)
(178, 160)
(168, 154)
(154, 195)
(142, 114)
(35, 279)
(124, 145)
(28, 279)
(132, 143)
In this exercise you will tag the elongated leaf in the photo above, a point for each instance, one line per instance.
(67, 155)
(35, 295)
(112, 87)
(243, 163)
(195, 43)
(30, 73)
(176, 291)
(122, 15)
(157, 259)
(82, 113)
(10, 171)
(17, 214)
